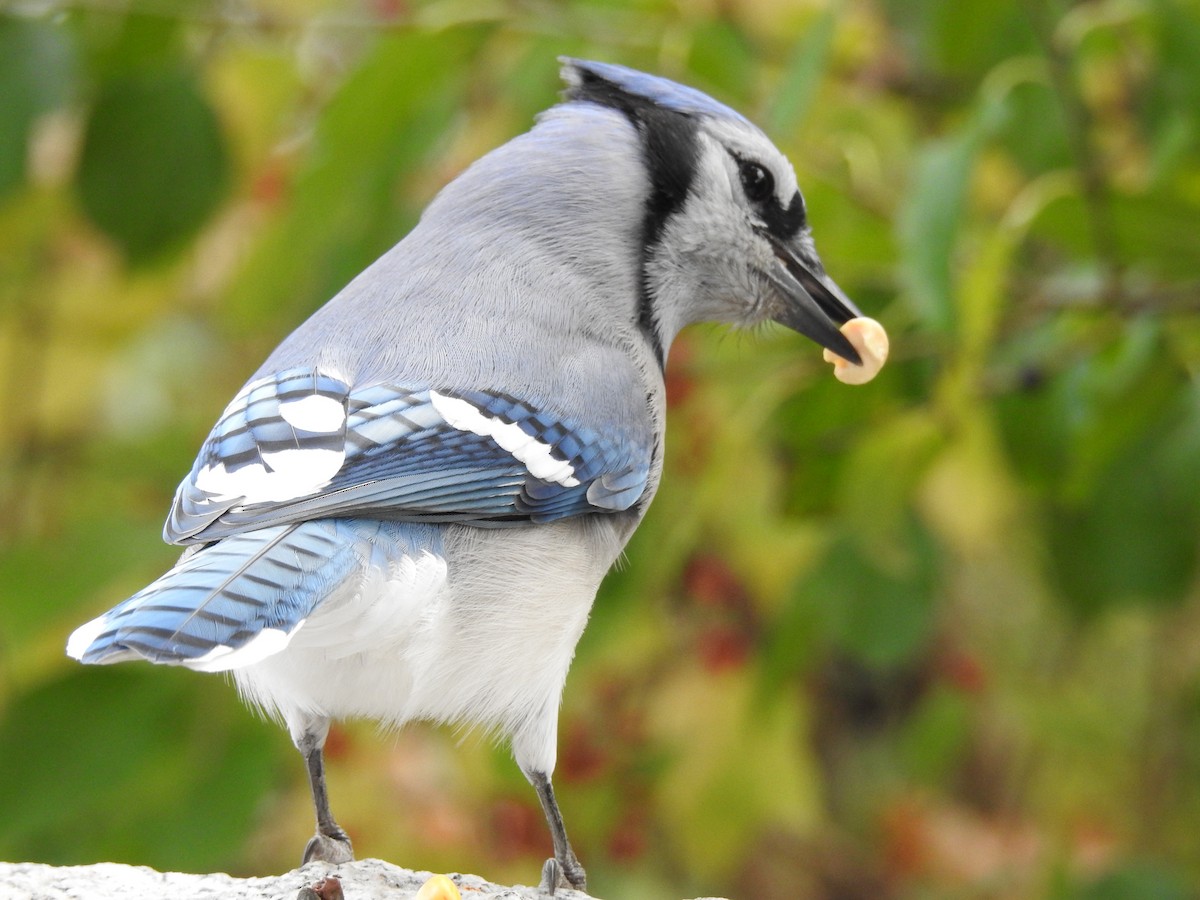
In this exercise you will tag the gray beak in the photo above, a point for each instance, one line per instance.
(810, 302)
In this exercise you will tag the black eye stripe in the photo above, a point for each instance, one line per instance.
(785, 222)
(758, 184)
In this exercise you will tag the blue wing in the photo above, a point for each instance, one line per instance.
(303, 444)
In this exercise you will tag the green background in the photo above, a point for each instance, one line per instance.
(934, 637)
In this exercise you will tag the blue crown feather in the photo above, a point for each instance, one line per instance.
(586, 78)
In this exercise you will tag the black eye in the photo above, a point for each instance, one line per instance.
(757, 182)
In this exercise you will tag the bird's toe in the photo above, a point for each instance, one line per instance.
(556, 875)
(333, 849)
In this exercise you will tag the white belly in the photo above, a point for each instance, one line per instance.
(481, 634)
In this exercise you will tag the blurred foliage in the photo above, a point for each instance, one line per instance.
(934, 637)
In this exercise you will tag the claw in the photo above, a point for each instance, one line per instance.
(552, 877)
(328, 848)
(555, 875)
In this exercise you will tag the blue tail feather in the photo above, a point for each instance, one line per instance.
(215, 601)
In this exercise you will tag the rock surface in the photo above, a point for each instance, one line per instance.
(365, 879)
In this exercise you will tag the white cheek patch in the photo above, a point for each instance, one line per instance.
(314, 413)
(284, 475)
(535, 455)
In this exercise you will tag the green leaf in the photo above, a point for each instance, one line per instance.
(1065, 429)
(972, 36)
(879, 477)
(879, 610)
(136, 42)
(1035, 132)
(929, 226)
(936, 736)
(53, 581)
(1138, 881)
(37, 71)
(1112, 443)
(154, 163)
(1133, 537)
(803, 76)
(130, 762)
(1146, 227)
(343, 210)
(1174, 89)
(723, 59)
(965, 38)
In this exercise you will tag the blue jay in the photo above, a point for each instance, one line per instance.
(406, 512)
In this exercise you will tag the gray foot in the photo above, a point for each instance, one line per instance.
(330, 848)
(555, 875)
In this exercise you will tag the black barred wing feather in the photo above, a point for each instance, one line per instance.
(303, 444)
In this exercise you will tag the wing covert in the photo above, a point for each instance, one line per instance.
(304, 444)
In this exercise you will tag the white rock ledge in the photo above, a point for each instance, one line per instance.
(364, 879)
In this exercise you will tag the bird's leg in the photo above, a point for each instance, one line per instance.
(564, 869)
(330, 844)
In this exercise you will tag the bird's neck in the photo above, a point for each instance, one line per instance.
(565, 202)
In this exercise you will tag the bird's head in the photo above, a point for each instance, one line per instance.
(725, 234)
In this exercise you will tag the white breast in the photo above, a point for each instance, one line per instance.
(482, 634)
